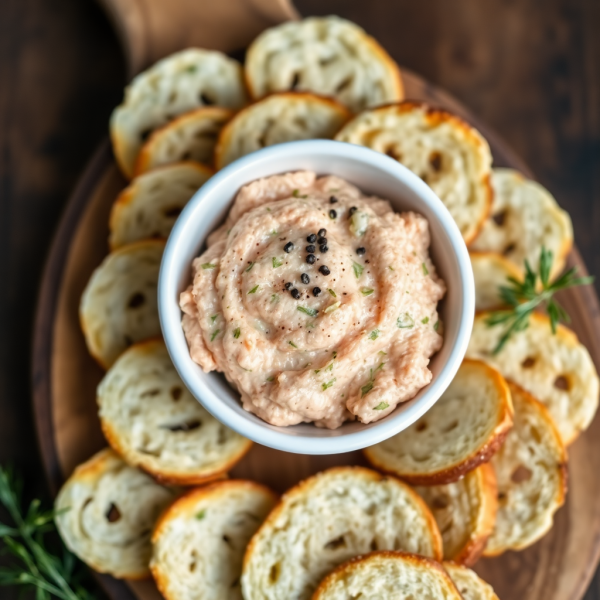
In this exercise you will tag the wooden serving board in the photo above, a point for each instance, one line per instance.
(559, 567)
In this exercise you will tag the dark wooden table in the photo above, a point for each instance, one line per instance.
(530, 68)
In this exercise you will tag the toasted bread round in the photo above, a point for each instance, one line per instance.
(283, 117)
(173, 86)
(327, 55)
(465, 512)
(469, 584)
(150, 205)
(556, 369)
(199, 542)
(119, 304)
(525, 217)
(447, 153)
(327, 519)
(460, 431)
(105, 514)
(531, 470)
(150, 418)
(490, 271)
(386, 574)
(190, 137)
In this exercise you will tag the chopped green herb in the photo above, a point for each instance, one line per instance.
(332, 292)
(359, 222)
(276, 263)
(358, 269)
(425, 320)
(214, 335)
(436, 326)
(312, 312)
(296, 194)
(271, 379)
(317, 371)
(213, 318)
(327, 385)
(292, 344)
(366, 291)
(236, 333)
(273, 231)
(425, 270)
(249, 268)
(191, 69)
(209, 266)
(391, 268)
(268, 209)
(310, 325)
(379, 367)
(274, 298)
(382, 353)
(201, 515)
(365, 389)
(405, 321)
(332, 307)
(381, 406)
(329, 367)
(374, 334)
(253, 290)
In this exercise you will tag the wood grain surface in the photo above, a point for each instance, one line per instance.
(530, 69)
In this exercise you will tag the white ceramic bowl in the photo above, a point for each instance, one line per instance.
(373, 173)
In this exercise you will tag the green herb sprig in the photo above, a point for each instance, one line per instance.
(523, 297)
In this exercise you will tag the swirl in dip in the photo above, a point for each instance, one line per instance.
(310, 329)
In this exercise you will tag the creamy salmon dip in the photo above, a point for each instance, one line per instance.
(318, 303)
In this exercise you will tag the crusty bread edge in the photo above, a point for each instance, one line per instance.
(414, 559)
(453, 565)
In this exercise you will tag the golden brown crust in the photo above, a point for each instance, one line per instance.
(350, 565)
(224, 139)
(476, 458)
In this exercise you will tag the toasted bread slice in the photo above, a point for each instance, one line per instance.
(446, 152)
(327, 55)
(105, 514)
(150, 205)
(283, 117)
(151, 419)
(556, 369)
(119, 304)
(490, 271)
(460, 431)
(190, 137)
(469, 584)
(386, 574)
(465, 512)
(173, 86)
(199, 542)
(327, 519)
(531, 469)
(525, 217)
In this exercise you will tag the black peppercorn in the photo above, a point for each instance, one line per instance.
(323, 247)
(310, 259)
(305, 278)
(288, 285)
(295, 294)
(316, 291)
(322, 240)
(352, 210)
(333, 199)
(360, 251)
(324, 270)
(288, 247)
(332, 214)
(322, 232)
(311, 248)
(312, 238)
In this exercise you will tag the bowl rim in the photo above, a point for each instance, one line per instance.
(245, 423)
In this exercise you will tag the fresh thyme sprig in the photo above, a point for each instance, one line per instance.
(523, 297)
(37, 566)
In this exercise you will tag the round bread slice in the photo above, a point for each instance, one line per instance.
(469, 584)
(279, 118)
(462, 430)
(150, 205)
(446, 152)
(531, 470)
(119, 304)
(199, 542)
(190, 137)
(327, 55)
(465, 512)
(396, 575)
(525, 217)
(490, 271)
(556, 369)
(173, 86)
(327, 519)
(105, 514)
(150, 418)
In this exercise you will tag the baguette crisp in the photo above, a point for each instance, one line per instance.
(469, 584)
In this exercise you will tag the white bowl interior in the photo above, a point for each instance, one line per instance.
(373, 173)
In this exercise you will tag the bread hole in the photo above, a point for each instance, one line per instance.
(435, 160)
(113, 514)
(450, 427)
(128, 340)
(185, 426)
(176, 392)
(392, 152)
(501, 497)
(172, 212)
(206, 99)
(370, 510)
(510, 248)
(187, 155)
(499, 218)
(144, 135)
(440, 502)
(326, 61)
(447, 526)
(274, 573)
(302, 124)
(192, 565)
(87, 501)
(373, 545)
(528, 362)
(295, 81)
(535, 434)
(421, 426)
(562, 383)
(222, 436)
(521, 474)
(150, 393)
(137, 300)
(338, 542)
(227, 540)
(235, 583)
(345, 83)
(172, 97)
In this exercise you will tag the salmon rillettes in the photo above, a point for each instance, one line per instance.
(318, 303)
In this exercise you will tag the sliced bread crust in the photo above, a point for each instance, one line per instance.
(462, 430)
(327, 519)
(469, 584)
